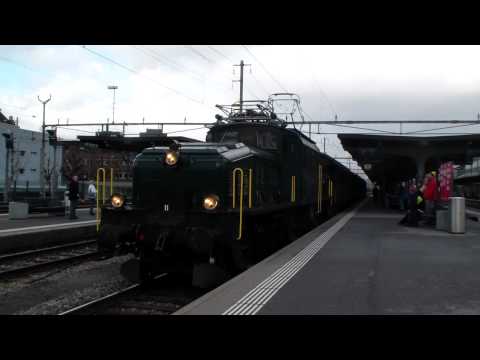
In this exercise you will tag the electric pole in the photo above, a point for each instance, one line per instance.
(42, 151)
(242, 65)
(241, 85)
(113, 87)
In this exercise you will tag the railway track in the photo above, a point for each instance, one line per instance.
(27, 262)
(163, 296)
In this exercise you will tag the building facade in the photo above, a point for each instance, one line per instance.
(84, 159)
(24, 158)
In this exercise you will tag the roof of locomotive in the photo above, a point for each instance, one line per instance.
(231, 152)
(294, 132)
(236, 151)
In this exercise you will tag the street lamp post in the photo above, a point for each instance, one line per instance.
(113, 87)
(42, 151)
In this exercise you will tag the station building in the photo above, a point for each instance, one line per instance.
(24, 158)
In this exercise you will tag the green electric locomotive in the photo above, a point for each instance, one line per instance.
(212, 209)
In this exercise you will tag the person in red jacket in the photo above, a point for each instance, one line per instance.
(430, 196)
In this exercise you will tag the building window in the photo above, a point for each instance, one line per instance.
(33, 170)
(34, 153)
(21, 171)
(22, 152)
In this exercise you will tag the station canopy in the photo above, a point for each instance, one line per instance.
(390, 159)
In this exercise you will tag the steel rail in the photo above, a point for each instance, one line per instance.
(106, 297)
(10, 256)
(45, 265)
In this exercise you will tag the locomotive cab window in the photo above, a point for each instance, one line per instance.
(266, 139)
(229, 135)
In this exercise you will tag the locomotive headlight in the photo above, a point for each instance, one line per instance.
(117, 200)
(210, 202)
(171, 158)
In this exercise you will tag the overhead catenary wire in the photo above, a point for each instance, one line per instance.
(220, 53)
(260, 84)
(201, 79)
(280, 85)
(441, 128)
(14, 106)
(160, 59)
(265, 69)
(230, 60)
(247, 88)
(185, 130)
(17, 63)
(315, 80)
(277, 82)
(362, 128)
(199, 53)
(174, 63)
(139, 74)
(77, 130)
(16, 113)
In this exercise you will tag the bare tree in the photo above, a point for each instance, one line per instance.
(127, 159)
(15, 166)
(73, 163)
(48, 174)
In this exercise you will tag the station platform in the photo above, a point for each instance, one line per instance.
(473, 213)
(42, 230)
(359, 262)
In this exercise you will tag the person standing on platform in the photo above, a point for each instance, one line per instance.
(403, 196)
(375, 194)
(73, 196)
(92, 196)
(412, 217)
(413, 213)
(429, 194)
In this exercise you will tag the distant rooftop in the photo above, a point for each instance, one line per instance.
(9, 120)
(150, 138)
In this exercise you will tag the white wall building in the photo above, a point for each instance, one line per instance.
(24, 165)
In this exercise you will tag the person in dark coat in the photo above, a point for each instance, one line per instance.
(403, 196)
(73, 196)
(413, 214)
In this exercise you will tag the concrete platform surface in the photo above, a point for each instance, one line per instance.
(42, 231)
(370, 265)
(41, 220)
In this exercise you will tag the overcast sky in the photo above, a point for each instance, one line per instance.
(171, 83)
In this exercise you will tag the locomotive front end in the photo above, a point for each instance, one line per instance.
(175, 217)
